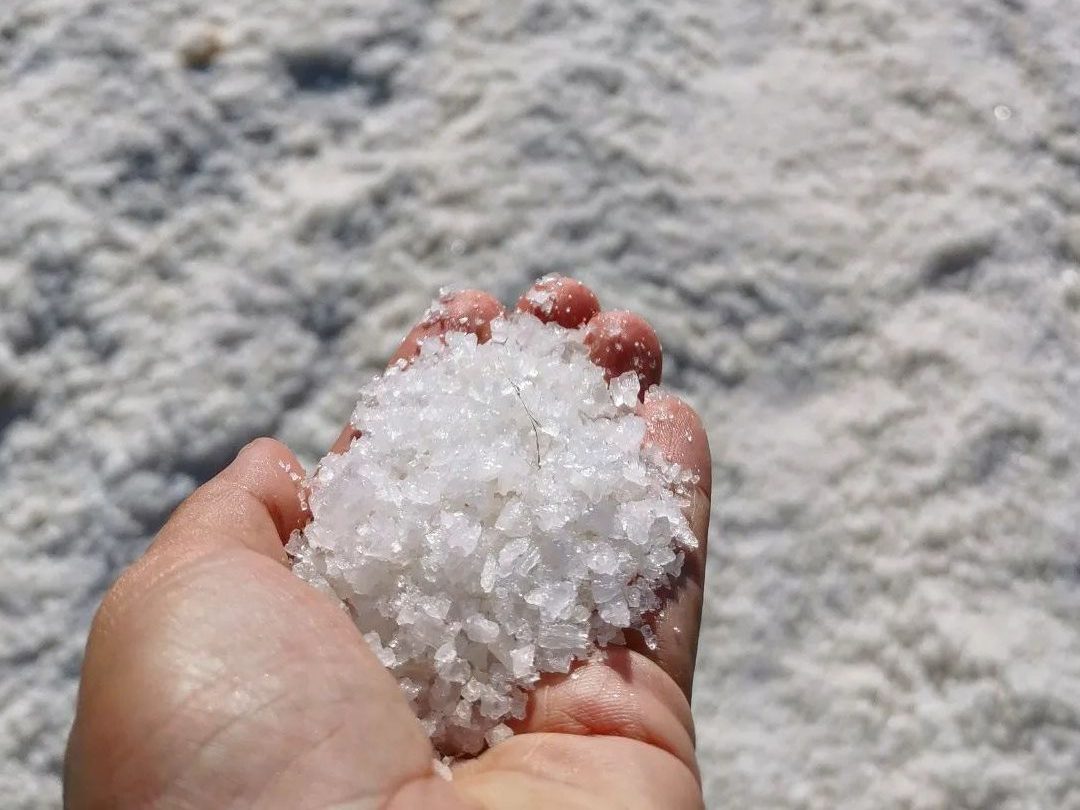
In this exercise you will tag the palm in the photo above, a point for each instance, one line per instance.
(214, 678)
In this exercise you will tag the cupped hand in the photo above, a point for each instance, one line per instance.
(214, 678)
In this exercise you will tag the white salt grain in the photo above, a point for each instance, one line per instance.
(624, 390)
(442, 769)
(496, 519)
(542, 299)
(477, 628)
(498, 734)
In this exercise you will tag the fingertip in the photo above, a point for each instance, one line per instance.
(616, 692)
(458, 311)
(561, 300)
(676, 429)
(262, 450)
(344, 439)
(254, 503)
(270, 471)
(624, 341)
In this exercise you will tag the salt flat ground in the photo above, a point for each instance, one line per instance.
(854, 223)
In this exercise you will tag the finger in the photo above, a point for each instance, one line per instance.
(638, 692)
(561, 300)
(579, 772)
(620, 693)
(459, 311)
(344, 439)
(253, 503)
(675, 429)
(622, 341)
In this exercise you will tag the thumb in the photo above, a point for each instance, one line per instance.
(253, 503)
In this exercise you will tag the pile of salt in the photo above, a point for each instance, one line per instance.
(498, 518)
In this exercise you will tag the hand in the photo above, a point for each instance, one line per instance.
(215, 679)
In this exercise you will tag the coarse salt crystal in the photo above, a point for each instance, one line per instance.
(496, 519)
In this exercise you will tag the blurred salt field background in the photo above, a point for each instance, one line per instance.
(855, 225)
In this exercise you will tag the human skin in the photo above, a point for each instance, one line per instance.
(214, 678)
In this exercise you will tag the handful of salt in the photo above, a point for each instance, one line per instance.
(497, 519)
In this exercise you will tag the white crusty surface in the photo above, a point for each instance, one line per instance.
(855, 225)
